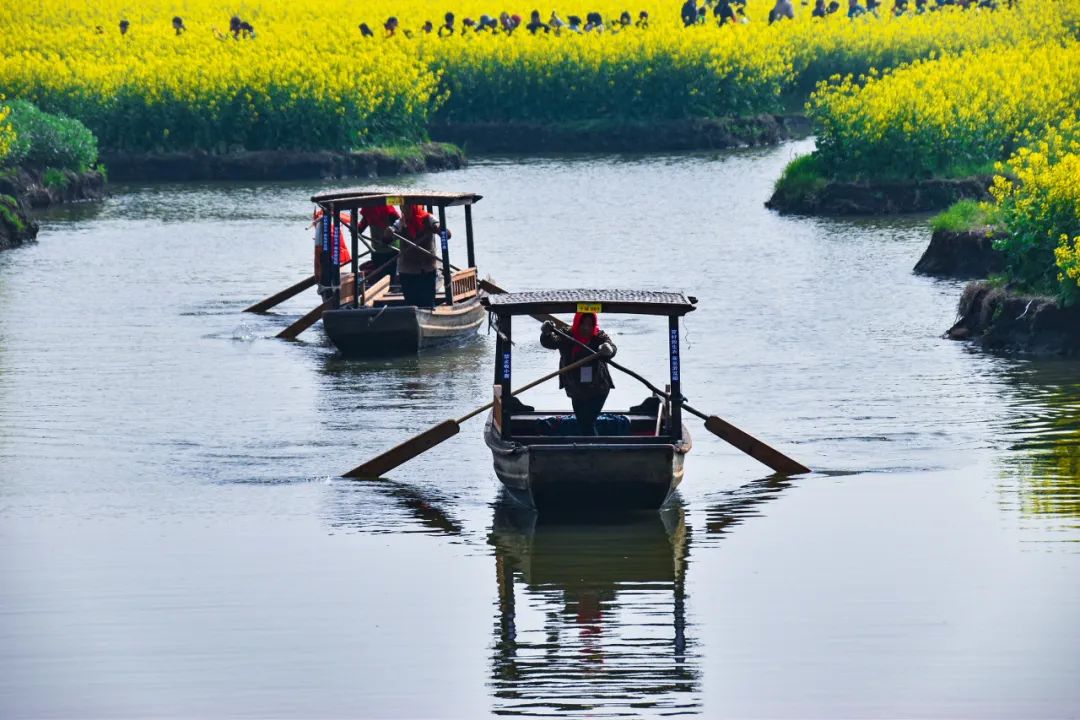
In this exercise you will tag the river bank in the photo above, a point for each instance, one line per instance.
(964, 254)
(625, 136)
(197, 166)
(26, 189)
(817, 195)
(997, 319)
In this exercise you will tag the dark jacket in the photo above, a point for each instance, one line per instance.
(571, 381)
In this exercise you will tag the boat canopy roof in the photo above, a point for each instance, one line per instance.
(350, 198)
(632, 302)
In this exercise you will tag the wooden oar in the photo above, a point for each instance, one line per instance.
(294, 330)
(278, 298)
(719, 427)
(400, 454)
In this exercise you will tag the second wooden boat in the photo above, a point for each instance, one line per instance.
(635, 462)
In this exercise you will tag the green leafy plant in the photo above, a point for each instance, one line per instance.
(45, 140)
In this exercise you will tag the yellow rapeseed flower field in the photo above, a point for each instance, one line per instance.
(7, 132)
(307, 78)
(1037, 198)
(951, 115)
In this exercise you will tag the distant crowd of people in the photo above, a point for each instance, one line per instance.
(239, 29)
(507, 24)
(734, 11)
(724, 12)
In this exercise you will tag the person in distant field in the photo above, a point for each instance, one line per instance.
(643, 20)
(246, 30)
(819, 10)
(124, 25)
(428, 27)
(536, 24)
(390, 26)
(586, 386)
(872, 7)
(625, 20)
(834, 6)
(899, 8)
(509, 23)
(416, 268)
(689, 13)
(380, 221)
(854, 9)
(594, 21)
(782, 10)
(574, 23)
(365, 31)
(447, 26)
(470, 24)
(178, 25)
(724, 13)
(556, 22)
(234, 26)
(344, 256)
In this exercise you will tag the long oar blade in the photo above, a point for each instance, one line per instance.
(378, 466)
(294, 330)
(277, 299)
(753, 447)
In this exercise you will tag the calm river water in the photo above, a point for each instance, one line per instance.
(173, 541)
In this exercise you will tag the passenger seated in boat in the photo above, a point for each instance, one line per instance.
(416, 268)
(586, 386)
(384, 248)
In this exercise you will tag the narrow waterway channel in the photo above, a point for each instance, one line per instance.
(173, 541)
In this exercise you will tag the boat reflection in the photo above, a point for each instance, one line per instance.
(592, 614)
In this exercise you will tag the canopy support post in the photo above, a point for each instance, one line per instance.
(444, 235)
(504, 361)
(469, 236)
(675, 422)
(325, 231)
(335, 259)
(354, 234)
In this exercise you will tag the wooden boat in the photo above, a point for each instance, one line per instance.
(373, 319)
(637, 467)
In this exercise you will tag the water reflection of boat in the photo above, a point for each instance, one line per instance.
(591, 613)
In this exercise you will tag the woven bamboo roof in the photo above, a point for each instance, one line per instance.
(349, 198)
(635, 302)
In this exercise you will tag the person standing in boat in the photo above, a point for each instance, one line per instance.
(416, 268)
(379, 220)
(586, 386)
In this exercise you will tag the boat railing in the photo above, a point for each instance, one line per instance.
(463, 284)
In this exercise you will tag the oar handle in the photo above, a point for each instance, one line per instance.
(427, 252)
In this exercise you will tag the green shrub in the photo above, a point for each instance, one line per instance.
(802, 178)
(962, 216)
(45, 140)
(54, 178)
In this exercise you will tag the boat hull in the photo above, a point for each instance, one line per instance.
(575, 475)
(399, 330)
